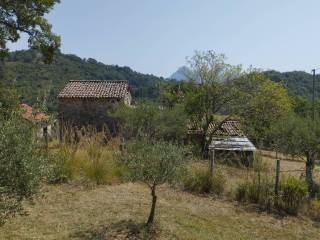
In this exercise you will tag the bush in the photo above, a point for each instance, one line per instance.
(201, 181)
(22, 166)
(256, 189)
(293, 194)
(62, 165)
(259, 189)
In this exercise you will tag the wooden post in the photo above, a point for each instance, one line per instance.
(45, 135)
(212, 163)
(276, 186)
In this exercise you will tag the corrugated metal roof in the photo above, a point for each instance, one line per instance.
(95, 89)
(232, 144)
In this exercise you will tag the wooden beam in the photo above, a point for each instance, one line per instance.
(212, 162)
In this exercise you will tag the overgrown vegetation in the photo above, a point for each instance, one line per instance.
(21, 166)
(91, 160)
(153, 138)
(201, 181)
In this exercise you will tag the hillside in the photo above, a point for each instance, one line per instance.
(36, 81)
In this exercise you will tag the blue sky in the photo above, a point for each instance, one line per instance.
(155, 36)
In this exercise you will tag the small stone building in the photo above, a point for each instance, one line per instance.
(85, 103)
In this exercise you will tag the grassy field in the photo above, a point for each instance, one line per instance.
(114, 212)
(75, 211)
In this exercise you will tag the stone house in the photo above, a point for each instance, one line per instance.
(85, 103)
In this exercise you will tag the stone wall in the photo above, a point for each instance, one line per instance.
(86, 112)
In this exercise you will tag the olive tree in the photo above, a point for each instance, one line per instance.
(21, 166)
(299, 136)
(152, 163)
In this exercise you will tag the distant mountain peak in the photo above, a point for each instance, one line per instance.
(181, 74)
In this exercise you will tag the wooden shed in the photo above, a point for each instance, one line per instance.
(229, 141)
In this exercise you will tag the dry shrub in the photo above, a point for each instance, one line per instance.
(258, 189)
(201, 181)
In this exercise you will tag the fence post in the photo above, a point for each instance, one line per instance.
(212, 163)
(276, 186)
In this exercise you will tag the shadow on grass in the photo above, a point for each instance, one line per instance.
(119, 230)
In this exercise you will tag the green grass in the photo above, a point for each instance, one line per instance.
(75, 212)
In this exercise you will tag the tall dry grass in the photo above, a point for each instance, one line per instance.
(86, 155)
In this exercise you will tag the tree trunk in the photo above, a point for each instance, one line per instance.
(311, 158)
(153, 205)
(204, 146)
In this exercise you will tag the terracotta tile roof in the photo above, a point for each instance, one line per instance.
(228, 128)
(32, 115)
(224, 128)
(94, 89)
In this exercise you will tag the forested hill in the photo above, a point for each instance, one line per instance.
(298, 83)
(36, 81)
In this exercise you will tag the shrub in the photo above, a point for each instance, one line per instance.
(62, 165)
(293, 194)
(201, 181)
(22, 166)
(258, 189)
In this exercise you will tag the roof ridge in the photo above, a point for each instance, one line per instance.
(85, 80)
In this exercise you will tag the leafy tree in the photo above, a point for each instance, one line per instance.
(214, 92)
(21, 166)
(299, 136)
(148, 120)
(152, 163)
(27, 16)
(260, 102)
(175, 93)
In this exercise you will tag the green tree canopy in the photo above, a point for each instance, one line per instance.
(149, 120)
(214, 93)
(260, 102)
(27, 16)
(21, 166)
(153, 163)
(298, 136)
